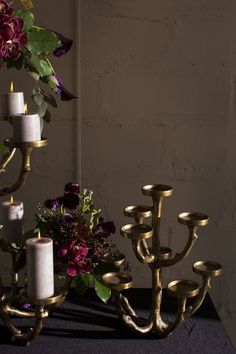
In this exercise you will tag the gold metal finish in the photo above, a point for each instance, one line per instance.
(141, 211)
(26, 150)
(193, 219)
(183, 288)
(158, 257)
(117, 281)
(116, 260)
(136, 231)
(207, 268)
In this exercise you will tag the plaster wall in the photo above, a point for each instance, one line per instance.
(158, 106)
(157, 103)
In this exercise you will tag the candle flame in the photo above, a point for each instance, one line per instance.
(39, 235)
(12, 199)
(12, 87)
(25, 108)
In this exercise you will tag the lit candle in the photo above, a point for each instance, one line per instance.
(39, 265)
(12, 102)
(26, 127)
(12, 219)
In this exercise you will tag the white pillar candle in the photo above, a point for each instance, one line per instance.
(12, 102)
(26, 128)
(39, 263)
(12, 220)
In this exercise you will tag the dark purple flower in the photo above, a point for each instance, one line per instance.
(65, 47)
(26, 306)
(72, 187)
(62, 91)
(71, 200)
(104, 229)
(51, 204)
(60, 201)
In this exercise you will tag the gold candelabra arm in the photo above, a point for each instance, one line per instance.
(141, 251)
(207, 269)
(6, 159)
(179, 256)
(26, 150)
(193, 220)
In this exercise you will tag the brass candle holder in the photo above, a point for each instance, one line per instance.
(158, 257)
(26, 150)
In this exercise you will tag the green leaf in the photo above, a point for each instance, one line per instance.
(102, 291)
(42, 41)
(50, 99)
(38, 99)
(3, 148)
(34, 75)
(42, 109)
(82, 283)
(27, 4)
(41, 65)
(27, 17)
(47, 117)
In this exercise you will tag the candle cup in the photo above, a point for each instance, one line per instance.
(12, 103)
(26, 128)
(39, 263)
(12, 219)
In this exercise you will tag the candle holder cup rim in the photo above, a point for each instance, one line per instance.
(207, 268)
(157, 190)
(193, 219)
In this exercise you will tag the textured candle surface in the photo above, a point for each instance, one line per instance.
(12, 103)
(26, 128)
(12, 220)
(39, 263)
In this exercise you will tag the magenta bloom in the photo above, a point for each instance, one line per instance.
(5, 8)
(12, 37)
(64, 251)
(72, 269)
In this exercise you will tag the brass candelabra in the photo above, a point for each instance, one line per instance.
(10, 303)
(158, 257)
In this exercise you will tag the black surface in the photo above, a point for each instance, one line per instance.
(86, 325)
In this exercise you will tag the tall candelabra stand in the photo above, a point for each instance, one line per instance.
(158, 257)
(10, 304)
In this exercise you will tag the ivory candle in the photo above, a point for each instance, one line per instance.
(12, 219)
(26, 127)
(39, 263)
(12, 102)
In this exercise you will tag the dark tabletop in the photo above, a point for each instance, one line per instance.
(86, 325)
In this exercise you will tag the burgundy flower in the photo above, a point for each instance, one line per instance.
(71, 200)
(72, 270)
(12, 37)
(72, 187)
(64, 250)
(85, 267)
(65, 47)
(80, 254)
(5, 8)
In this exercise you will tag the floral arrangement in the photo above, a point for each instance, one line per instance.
(27, 46)
(81, 238)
